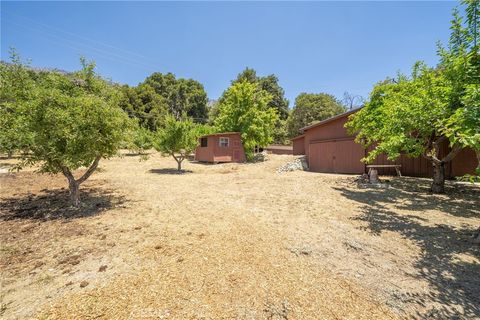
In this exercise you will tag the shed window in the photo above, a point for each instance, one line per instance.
(223, 142)
(203, 142)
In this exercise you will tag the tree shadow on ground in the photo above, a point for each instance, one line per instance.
(203, 163)
(55, 204)
(449, 259)
(169, 171)
(136, 154)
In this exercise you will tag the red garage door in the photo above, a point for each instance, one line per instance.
(336, 156)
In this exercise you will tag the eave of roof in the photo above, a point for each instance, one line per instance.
(323, 122)
(298, 137)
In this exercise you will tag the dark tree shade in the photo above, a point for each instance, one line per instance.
(181, 95)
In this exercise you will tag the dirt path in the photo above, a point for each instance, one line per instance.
(236, 241)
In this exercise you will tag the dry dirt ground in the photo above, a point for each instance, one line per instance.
(235, 241)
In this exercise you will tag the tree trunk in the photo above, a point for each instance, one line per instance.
(74, 187)
(179, 161)
(438, 184)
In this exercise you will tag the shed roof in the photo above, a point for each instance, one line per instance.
(298, 137)
(323, 122)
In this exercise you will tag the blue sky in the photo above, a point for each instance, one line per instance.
(311, 46)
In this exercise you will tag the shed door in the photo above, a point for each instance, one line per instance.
(336, 157)
(236, 155)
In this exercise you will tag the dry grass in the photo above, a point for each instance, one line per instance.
(235, 241)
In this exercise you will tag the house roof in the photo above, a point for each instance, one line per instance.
(219, 134)
(298, 137)
(323, 122)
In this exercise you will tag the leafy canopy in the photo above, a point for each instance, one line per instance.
(183, 96)
(145, 105)
(311, 107)
(269, 84)
(141, 140)
(405, 115)
(67, 121)
(460, 63)
(17, 93)
(61, 122)
(246, 109)
(178, 138)
(278, 101)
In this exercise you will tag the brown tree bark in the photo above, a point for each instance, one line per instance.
(179, 161)
(74, 189)
(438, 184)
(74, 185)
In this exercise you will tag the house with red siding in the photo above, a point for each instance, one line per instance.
(329, 148)
(220, 147)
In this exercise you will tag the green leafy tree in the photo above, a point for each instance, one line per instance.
(278, 101)
(142, 140)
(183, 96)
(68, 122)
(280, 133)
(17, 91)
(460, 62)
(248, 75)
(178, 138)
(310, 108)
(415, 115)
(405, 116)
(245, 109)
(144, 104)
(269, 84)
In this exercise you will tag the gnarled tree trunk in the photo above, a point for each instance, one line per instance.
(74, 184)
(74, 189)
(179, 161)
(438, 184)
(433, 152)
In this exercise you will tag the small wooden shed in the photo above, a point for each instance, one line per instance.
(220, 147)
